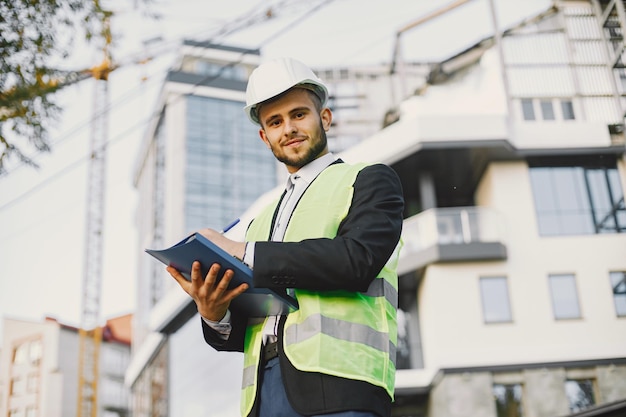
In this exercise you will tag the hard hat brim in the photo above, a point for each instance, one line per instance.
(316, 87)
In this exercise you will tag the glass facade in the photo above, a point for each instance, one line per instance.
(228, 167)
(578, 200)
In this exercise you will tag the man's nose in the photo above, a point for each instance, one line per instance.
(290, 127)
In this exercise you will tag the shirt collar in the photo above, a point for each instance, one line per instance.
(313, 168)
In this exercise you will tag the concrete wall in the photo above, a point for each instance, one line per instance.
(611, 383)
(544, 393)
(470, 394)
(462, 395)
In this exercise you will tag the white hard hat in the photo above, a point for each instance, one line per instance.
(277, 76)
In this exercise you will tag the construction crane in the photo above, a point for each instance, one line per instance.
(90, 333)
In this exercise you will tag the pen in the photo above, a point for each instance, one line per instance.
(230, 226)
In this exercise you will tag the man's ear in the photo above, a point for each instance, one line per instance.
(327, 117)
(264, 138)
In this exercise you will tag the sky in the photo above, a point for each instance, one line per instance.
(43, 211)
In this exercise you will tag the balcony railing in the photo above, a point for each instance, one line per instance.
(451, 234)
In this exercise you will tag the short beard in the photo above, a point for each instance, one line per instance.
(312, 154)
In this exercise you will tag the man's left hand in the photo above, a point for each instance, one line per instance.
(233, 247)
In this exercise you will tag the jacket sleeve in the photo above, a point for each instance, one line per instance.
(366, 238)
(235, 341)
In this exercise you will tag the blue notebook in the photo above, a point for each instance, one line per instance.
(255, 302)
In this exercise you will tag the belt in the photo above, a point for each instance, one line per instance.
(270, 351)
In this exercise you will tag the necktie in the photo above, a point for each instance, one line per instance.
(286, 208)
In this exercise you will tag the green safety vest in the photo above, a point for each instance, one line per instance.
(342, 333)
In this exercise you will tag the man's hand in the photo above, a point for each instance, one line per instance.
(212, 300)
(234, 248)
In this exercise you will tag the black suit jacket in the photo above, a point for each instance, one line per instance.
(365, 240)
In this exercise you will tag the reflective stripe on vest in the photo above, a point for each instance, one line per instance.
(342, 330)
(383, 288)
(251, 359)
(340, 333)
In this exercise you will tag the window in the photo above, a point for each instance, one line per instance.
(567, 108)
(528, 110)
(495, 297)
(618, 284)
(32, 383)
(35, 351)
(28, 352)
(20, 354)
(508, 400)
(18, 386)
(578, 200)
(579, 394)
(564, 296)
(547, 111)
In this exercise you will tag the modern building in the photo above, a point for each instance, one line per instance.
(513, 272)
(202, 165)
(39, 368)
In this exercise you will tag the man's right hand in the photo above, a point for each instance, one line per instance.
(212, 297)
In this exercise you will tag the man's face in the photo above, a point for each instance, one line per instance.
(293, 129)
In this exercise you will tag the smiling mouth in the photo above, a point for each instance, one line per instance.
(293, 142)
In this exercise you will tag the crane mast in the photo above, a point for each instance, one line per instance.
(90, 332)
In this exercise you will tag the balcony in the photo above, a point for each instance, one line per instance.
(454, 234)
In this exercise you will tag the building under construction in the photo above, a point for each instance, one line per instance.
(513, 274)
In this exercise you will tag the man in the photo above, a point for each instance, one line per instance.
(333, 240)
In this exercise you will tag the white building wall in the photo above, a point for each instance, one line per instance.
(453, 330)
